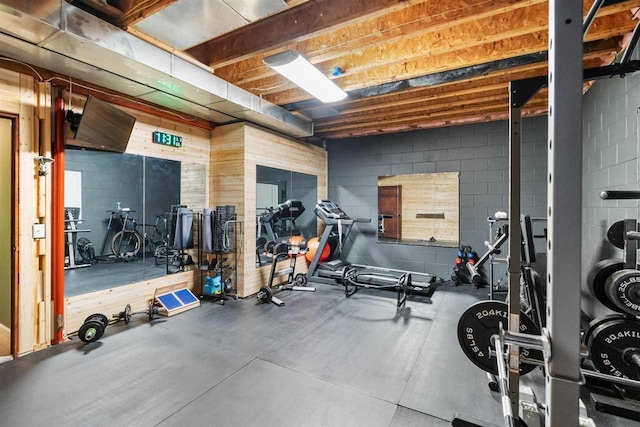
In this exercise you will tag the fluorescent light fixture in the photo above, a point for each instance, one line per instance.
(301, 72)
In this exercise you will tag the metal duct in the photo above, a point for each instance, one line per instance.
(55, 35)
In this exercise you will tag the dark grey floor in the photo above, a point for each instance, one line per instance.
(322, 360)
(105, 275)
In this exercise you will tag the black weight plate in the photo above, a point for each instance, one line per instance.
(615, 234)
(612, 343)
(301, 279)
(623, 289)
(597, 279)
(265, 294)
(150, 311)
(98, 317)
(91, 331)
(479, 323)
(127, 314)
(597, 322)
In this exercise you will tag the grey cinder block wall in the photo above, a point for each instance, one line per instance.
(479, 152)
(610, 161)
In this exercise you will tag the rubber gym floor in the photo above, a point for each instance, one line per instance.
(320, 360)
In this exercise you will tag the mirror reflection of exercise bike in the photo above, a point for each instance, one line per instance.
(276, 225)
(127, 241)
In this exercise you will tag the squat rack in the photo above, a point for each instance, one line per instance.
(560, 340)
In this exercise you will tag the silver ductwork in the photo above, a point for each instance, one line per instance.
(57, 36)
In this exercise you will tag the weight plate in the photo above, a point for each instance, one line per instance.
(597, 322)
(623, 289)
(301, 279)
(150, 312)
(98, 317)
(265, 294)
(597, 279)
(611, 346)
(615, 234)
(91, 331)
(479, 323)
(126, 315)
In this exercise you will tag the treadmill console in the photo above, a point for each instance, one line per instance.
(329, 210)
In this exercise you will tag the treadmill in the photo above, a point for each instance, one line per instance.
(356, 276)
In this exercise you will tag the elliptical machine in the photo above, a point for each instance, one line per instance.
(276, 226)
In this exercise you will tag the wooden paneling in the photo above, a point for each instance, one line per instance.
(236, 150)
(112, 301)
(428, 193)
(19, 95)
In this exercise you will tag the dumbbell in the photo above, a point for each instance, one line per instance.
(93, 327)
(126, 314)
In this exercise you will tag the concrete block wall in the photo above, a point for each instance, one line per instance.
(610, 161)
(478, 152)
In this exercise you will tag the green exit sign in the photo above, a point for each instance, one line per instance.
(167, 139)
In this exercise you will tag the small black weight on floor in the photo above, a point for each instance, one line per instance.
(614, 347)
(597, 279)
(151, 311)
(227, 286)
(301, 279)
(615, 234)
(93, 327)
(623, 289)
(479, 323)
(265, 294)
(124, 315)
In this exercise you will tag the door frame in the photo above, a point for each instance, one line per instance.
(15, 254)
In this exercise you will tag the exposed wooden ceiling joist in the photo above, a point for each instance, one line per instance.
(296, 23)
(412, 21)
(466, 56)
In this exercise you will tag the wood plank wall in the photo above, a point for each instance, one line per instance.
(428, 193)
(236, 150)
(194, 157)
(21, 95)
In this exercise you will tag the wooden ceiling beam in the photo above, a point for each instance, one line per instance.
(412, 21)
(450, 121)
(463, 109)
(417, 120)
(506, 48)
(498, 113)
(484, 95)
(294, 24)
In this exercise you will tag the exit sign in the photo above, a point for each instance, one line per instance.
(167, 139)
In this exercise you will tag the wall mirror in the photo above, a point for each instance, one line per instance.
(273, 224)
(117, 216)
(419, 209)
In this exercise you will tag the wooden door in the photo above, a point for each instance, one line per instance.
(390, 208)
